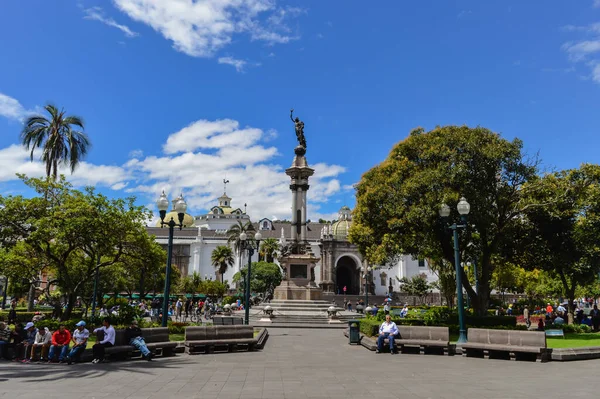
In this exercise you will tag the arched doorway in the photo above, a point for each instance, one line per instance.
(347, 275)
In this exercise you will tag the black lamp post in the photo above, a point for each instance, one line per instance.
(368, 271)
(249, 245)
(463, 208)
(180, 207)
(4, 292)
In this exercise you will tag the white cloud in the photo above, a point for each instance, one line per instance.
(211, 134)
(194, 161)
(96, 14)
(202, 27)
(11, 108)
(586, 50)
(237, 64)
(16, 159)
(198, 157)
(136, 153)
(580, 51)
(596, 73)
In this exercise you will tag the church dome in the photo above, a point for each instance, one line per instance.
(340, 229)
(188, 220)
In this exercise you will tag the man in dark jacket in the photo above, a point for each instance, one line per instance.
(133, 335)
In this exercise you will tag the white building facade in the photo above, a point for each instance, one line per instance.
(340, 264)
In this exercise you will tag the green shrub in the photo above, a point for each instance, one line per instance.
(121, 302)
(228, 300)
(571, 328)
(24, 317)
(176, 327)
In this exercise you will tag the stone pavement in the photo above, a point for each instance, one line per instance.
(303, 363)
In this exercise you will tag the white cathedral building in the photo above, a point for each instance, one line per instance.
(340, 262)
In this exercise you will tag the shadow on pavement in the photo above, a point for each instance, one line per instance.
(34, 372)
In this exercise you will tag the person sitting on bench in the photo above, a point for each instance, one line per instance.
(387, 330)
(134, 337)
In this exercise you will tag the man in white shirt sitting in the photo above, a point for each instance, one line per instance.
(79, 338)
(387, 330)
(108, 340)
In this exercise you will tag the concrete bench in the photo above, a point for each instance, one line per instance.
(205, 339)
(157, 339)
(512, 344)
(227, 321)
(424, 338)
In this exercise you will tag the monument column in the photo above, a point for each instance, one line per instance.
(299, 260)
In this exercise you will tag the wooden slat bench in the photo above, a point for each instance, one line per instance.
(157, 339)
(512, 344)
(205, 339)
(227, 321)
(424, 338)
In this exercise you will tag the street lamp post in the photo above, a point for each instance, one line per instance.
(463, 208)
(368, 271)
(249, 245)
(180, 207)
(4, 292)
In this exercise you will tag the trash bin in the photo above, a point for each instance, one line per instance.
(354, 331)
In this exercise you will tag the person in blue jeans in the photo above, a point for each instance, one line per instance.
(133, 335)
(387, 330)
(79, 339)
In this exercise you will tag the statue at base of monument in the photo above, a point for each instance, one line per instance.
(299, 126)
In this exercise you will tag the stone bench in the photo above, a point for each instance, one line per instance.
(511, 344)
(423, 338)
(227, 321)
(157, 340)
(205, 339)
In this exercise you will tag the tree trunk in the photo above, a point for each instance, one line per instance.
(571, 305)
(70, 304)
(141, 291)
(31, 297)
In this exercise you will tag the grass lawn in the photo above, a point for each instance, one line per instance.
(574, 341)
(176, 337)
(570, 340)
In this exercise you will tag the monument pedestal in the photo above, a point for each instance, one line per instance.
(299, 283)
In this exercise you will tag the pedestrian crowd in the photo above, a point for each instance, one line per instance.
(29, 344)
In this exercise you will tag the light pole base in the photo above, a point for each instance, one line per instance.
(462, 337)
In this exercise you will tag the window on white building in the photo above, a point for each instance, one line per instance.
(383, 277)
(421, 262)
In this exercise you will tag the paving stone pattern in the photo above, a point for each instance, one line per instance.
(300, 363)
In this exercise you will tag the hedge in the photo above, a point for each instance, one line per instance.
(370, 326)
(24, 317)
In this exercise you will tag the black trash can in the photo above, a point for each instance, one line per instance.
(354, 331)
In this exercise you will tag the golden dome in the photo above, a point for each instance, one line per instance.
(188, 220)
(340, 229)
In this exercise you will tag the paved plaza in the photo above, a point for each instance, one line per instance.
(315, 363)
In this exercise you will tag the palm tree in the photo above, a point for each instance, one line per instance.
(60, 142)
(234, 237)
(222, 258)
(268, 249)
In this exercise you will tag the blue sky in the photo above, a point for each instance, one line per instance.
(179, 94)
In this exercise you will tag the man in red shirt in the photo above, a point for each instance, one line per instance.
(60, 342)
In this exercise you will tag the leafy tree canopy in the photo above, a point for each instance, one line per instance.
(398, 201)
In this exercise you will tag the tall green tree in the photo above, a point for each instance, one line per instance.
(563, 235)
(233, 235)
(72, 229)
(398, 201)
(268, 249)
(265, 277)
(58, 137)
(222, 259)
